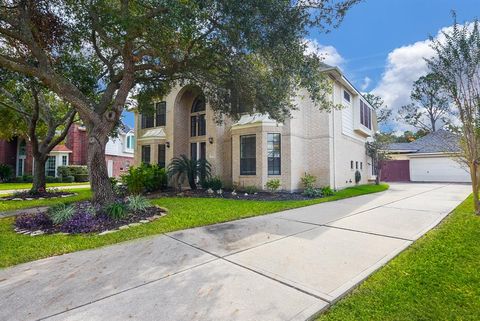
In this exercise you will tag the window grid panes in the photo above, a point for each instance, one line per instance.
(274, 153)
(161, 155)
(346, 95)
(248, 161)
(161, 114)
(365, 115)
(146, 154)
(50, 166)
(64, 160)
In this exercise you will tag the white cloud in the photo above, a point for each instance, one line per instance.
(329, 54)
(366, 82)
(404, 65)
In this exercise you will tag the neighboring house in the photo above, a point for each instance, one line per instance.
(432, 158)
(254, 149)
(119, 153)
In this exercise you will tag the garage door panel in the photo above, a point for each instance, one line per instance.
(437, 169)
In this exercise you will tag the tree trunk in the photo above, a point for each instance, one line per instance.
(39, 183)
(377, 178)
(100, 182)
(473, 175)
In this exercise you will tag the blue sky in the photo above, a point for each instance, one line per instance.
(380, 44)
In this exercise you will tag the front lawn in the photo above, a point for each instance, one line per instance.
(183, 213)
(21, 186)
(437, 278)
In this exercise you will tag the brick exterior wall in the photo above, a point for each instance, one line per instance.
(120, 164)
(77, 141)
(8, 152)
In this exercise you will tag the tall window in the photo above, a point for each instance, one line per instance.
(248, 161)
(64, 160)
(274, 154)
(346, 95)
(130, 141)
(365, 115)
(50, 166)
(161, 155)
(161, 113)
(155, 116)
(197, 119)
(146, 154)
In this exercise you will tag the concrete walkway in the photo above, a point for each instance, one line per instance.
(285, 266)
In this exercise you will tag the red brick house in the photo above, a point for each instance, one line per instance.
(119, 153)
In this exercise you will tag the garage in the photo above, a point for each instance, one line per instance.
(437, 169)
(432, 158)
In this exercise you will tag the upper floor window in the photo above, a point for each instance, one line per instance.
(365, 115)
(198, 125)
(130, 141)
(64, 160)
(248, 155)
(156, 116)
(273, 154)
(346, 95)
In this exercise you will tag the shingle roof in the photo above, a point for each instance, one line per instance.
(440, 141)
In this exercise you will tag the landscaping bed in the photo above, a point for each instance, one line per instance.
(83, 217)
(229, 194)
(29, 196)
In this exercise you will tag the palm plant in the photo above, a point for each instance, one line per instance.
(182, 167)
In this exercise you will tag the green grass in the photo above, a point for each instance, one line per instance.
(15, 186)
(437, 278)
(183, 213)
(82, 194)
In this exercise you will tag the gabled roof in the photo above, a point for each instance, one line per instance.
(440, 141)
(61, 148)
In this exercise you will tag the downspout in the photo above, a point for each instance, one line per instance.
(333, 144)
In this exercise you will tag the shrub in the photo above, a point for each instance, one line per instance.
(251, 189)
(27, 178)
(50, 179)
(81, 222)
(81, 178)
(308, 181)
(137, 203)
(6, 172)
(273, 184)
(60, 213)
(326, 191)
(358, 177)
(33, 222)
(145, 177)
(68, 179)
(215, 183)
(72, 170)
(116, 211)
(312, 192)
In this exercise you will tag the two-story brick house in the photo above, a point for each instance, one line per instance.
(254, 149)
(17, 152)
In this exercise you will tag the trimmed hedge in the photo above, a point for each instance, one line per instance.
(79, 172)
(81, 178)
(68, 179)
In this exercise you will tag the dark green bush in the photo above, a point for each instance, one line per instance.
(50, 179)
(68, 179)
(182, 167)
(145, 178)
(72, 170)
(81, 178)
(6, 172)
(27, 178)
(215, 183)
(358, 177)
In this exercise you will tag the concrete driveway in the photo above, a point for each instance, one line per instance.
(284, 266)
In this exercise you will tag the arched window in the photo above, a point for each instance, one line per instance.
(197, 118)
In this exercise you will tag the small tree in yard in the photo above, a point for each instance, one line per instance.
(429, 106)
(457, 63)
(28, 110)
(248, 54)
(382, 111)
(377, 149)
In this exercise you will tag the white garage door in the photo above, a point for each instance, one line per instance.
(437, 169)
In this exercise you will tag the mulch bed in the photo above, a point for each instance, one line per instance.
(83, 221)
(227, 194)
(28, 196)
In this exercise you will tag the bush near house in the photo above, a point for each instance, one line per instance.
(215, 183)
(145, 178)
(273, 185)
(358, 177)
(6, 172)
(79, 172)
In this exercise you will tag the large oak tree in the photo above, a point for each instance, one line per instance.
(243, 54)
